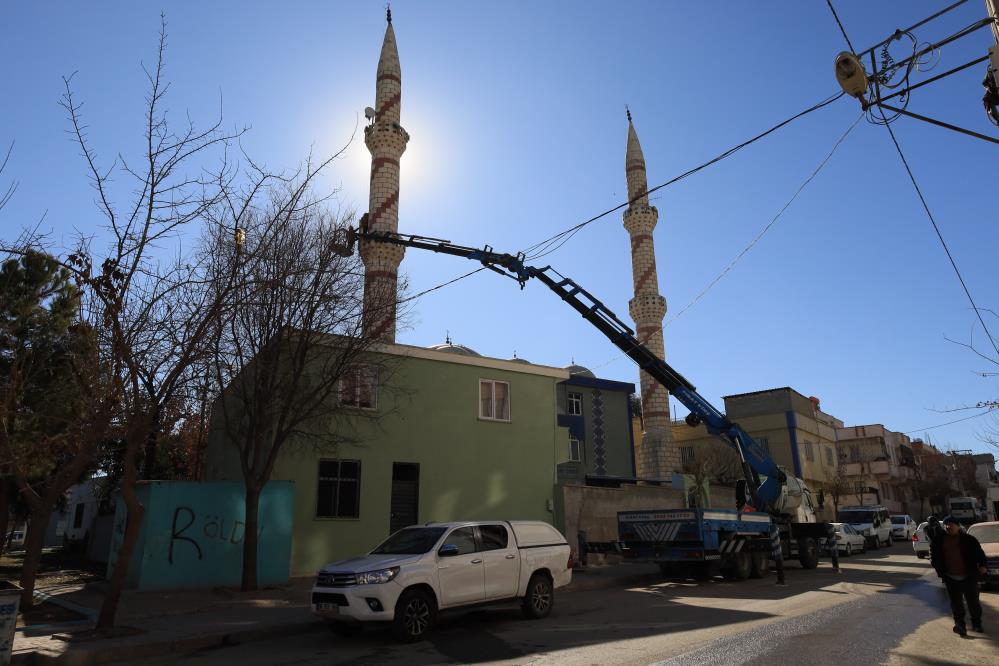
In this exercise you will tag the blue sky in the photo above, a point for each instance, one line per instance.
(516, 113)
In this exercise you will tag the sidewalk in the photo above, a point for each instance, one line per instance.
(153, 624)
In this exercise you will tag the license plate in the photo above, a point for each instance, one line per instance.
(329, 608)
(994, 572)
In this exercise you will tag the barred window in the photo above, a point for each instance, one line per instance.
(687, 455)
(829, 456)
(764, 443)
(339, 493)
(359, 387)
(809, 451)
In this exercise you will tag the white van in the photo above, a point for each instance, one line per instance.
(872, 521)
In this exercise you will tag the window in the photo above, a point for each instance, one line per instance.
(339, 494)
(829, 456)
(574, 405)
(359, 387)
(464, 538)
(575, 454)
(764, 443)
(687, 455)
(494, 400)
(854, 453)
(809, 451)
(494, 537)
(78, 516)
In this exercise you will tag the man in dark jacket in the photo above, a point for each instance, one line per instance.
(959, 559)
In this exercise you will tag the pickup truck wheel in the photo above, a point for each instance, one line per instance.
(539, 598)
(891, 541)
(761, 565)
(415, 614)
(849, 549)
(808, 553)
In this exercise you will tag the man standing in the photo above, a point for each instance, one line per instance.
(959, 559)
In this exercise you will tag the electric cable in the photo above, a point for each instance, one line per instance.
(943, 243)
(841, 29)
(751, 244)
(555, 242)
(940, 425)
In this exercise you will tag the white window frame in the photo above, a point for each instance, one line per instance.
(579, 450)
(492, 397)
(357, 371)
(574, 400)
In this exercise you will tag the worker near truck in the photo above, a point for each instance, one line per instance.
(959, 560)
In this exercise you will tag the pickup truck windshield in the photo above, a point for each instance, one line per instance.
(410, 541)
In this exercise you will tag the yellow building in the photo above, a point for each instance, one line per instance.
(799, 436)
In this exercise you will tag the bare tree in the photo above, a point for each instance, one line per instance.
(712, 462)
(292, 351)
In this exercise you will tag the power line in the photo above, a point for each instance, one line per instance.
(941, 425)
(753, 242)
(555, 242)
(943, 243)
(841, 29)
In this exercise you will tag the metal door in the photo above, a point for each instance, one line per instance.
(405, 504)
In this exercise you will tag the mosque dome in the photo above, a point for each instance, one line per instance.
(517, 359)
(579, 370)
(451, 348)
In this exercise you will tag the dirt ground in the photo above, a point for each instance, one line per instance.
(56, 568)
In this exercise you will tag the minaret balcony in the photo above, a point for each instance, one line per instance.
(640, 219)
(647, 308)
(386, 138)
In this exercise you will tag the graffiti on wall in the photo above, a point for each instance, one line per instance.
(213, 527)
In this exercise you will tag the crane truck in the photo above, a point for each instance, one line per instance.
(736, 542)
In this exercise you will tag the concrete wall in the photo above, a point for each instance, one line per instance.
(192, 535)
(428, 414)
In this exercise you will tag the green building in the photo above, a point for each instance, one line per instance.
(450, 435)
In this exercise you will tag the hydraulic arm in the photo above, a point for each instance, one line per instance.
(763, 478)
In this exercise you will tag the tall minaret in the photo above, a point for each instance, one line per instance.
(658, 456)
(386, 140)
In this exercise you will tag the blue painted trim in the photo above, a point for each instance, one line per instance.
(792, 425)
(575, 424)
(604, 384)
(631, 437)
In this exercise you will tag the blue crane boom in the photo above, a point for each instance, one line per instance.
(763, 477)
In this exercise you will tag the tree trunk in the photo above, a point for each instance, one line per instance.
(34, 540)
(249, 581)
(4, 514)
(133, 522)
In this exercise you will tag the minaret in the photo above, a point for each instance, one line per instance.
(658, 457)
(386, 140)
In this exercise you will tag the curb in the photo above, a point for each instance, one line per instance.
(104, 654)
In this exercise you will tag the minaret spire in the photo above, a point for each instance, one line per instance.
(658, 457)
(386, 140)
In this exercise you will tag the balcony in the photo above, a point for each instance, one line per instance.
(877, 468)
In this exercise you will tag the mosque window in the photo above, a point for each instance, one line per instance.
(359, 387)
(575, 453)
(575, 404)
(494, 400)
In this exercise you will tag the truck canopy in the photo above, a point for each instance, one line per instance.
(534, 533)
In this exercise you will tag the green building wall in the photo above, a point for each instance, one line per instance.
(470, 468)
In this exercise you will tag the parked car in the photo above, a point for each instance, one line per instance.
(15, 540)
(921, 542)
(988, 535)
(902, 527)
(870, 520)
(849, 540)
(423, 569)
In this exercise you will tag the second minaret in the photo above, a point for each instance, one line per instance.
(386, 140)
(658, 457)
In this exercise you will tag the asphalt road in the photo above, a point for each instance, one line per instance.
(884, 607)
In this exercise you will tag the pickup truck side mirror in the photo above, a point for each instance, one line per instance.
(448, 550)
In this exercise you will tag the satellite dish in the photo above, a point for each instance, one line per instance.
(369, 113)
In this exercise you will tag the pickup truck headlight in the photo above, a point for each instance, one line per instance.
(380, 576)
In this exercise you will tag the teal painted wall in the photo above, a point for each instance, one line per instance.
(427, 414)
(192, 535)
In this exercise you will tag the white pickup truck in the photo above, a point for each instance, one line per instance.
(423, 569)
